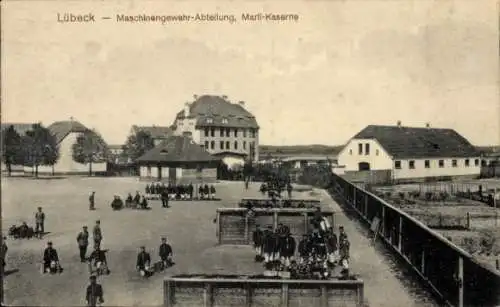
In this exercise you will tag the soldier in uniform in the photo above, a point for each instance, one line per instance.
(129, 201)
(268, 245)
(143, 262)
(39, 222)
(50, 259)
(98, 259)
(212, 191)
(147, 190)
(164, 198)
(257, 242)
(289, 190)
(331, 242)
(201, 195)
(83, 242)
(190, 190)
(206, 191)
(97, 234)
(287, 248)
(94, 293)
(165, 253)
(342, 236)
(137, 198)
(3, 252)
(92, 201)
(144, 202)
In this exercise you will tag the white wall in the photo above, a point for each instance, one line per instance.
(434, 170)
(232, 162)
(350, 157)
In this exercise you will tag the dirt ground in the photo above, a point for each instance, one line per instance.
(188, 225)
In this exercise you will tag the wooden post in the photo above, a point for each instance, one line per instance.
(422, 265)
(365, 211)
(383, 221)
(324, 296)
(246, 230)
(284, 295)
(248, 287)
(354, 196)
(275, 219)
(208, 296)
(306, 223)
(167, 294)
(400, 234)
(361, 294)
(219, 228)
(460, 282)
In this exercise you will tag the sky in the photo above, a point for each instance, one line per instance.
(319, 80)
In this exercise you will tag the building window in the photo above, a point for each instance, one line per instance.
(244, 145)
(224, 121)
(228, 145)
(228, 131)
(427, 164)
(207, 131)
(454, 163)
(253, 133)
(411, 164)
(244, 133)
(397, 164)
(235, 133)
(210, 121)
(376, 152)
(483, 163)
(221, 144)
(367, 149)
(360, 149)
(476, 162)
(235, 144)
(206, 144)
(467, 163)
(212, 145)
(441, 163)
(212, 132)
(350, 152)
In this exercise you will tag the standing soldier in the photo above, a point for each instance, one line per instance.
(165, 253)
(268, 245)
(257, 242)
(39, 222)
(190, 190)
(342, 236)
(94, 294)
(344, 255)
(331, 242)
(289, 190)
(304, 249)
(288, 245)
(164, 198)
(3, 252)
(148, 189)
(97, 234)
(92, 201)
(83, 243)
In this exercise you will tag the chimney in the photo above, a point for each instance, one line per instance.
(399, 123)
(427, 125)
(241, 103)
(186, 109)
(195, 97)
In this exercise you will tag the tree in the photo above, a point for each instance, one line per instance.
(90, 148)
(39, 147)
(11, 148)
(138, 144)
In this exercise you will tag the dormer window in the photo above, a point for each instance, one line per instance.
(210, 121)
(164, 152)
(224, 121)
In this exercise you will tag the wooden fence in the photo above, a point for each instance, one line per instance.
(208, 292)
(451, 272)
(294, 203)
(235, 227)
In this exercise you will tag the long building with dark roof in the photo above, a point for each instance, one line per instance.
(411, 152)
(225, 129)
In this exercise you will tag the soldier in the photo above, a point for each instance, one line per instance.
(137, 198)
(144, 202)
(200, 192)
(3, 254)
(39, 222)
(268, 245)
(344, 256)
(212, 191)
(190, 190)
(165, 253)
(50, 259)
(331, 242)
(257, 242)
(304, 248)
(289, 190)
(164, 198)
(92, 201)
(147, 190)
(97, 234)
(206, 191)
(158, 188)
(342, 236)
(129, 201)
(98, 260)
(117, 203)
(83, 242)
(94, 293)
(287, 245)
(276, 236)
(143, 262)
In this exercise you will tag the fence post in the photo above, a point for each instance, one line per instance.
(324, 296)
(361, 294)
(275, 219)
(246, 229)
(383, 221)
(248, 287)
(306, 223)
(208, 295)
(284, 295)
(365, 211)
(167, 295)
(400, 233)
(460, 281)
(218, 230)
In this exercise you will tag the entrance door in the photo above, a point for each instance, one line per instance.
(159, 173)
(172, 175)
(364, 166)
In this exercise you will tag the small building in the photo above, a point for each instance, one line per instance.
(157, 133)
(66, 134)
(223, 128)
(178, 159)
(411, 153)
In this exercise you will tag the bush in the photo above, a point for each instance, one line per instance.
(316, 175)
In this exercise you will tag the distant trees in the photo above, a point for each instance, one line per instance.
(90, 148)
(138, 144)
(39, 147)
(12, 152)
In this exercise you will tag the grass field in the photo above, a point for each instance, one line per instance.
(188, 225)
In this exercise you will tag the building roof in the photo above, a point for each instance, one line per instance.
(410, 142)
(61, 129)
(156, 132)
(210, 110)
(177, 149)
(20, 128)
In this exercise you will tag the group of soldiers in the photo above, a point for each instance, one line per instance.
(275, 188)
(319, 251)
(26, 232)
(179, 191)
